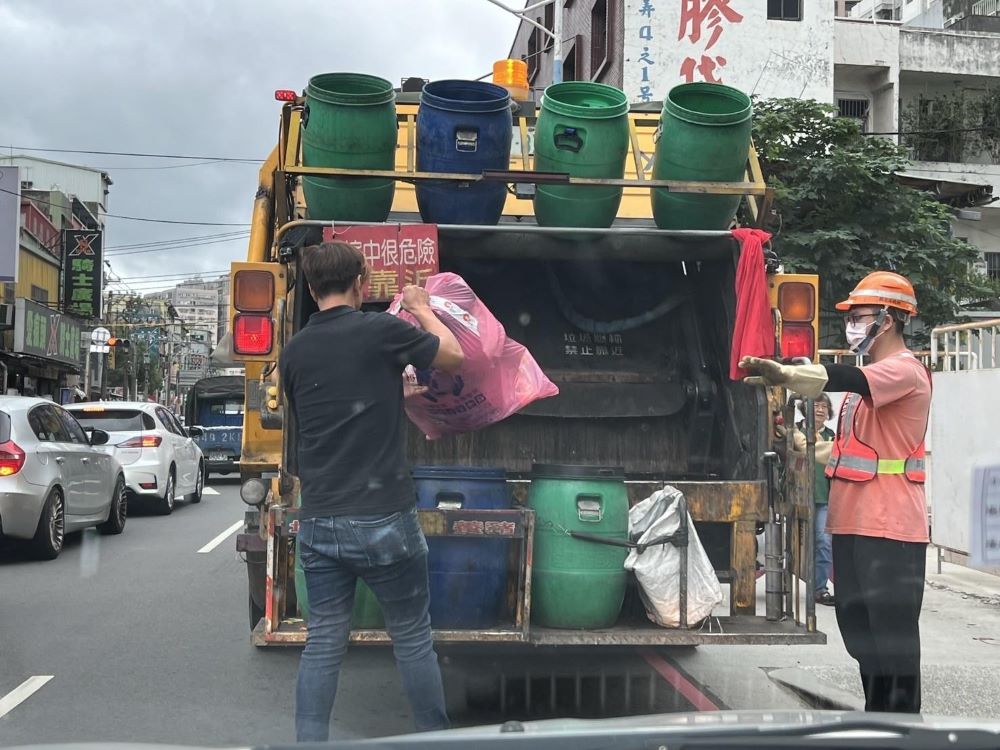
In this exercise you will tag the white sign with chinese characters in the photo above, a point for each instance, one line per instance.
(670, 42)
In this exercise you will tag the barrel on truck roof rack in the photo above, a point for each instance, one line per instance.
(704, 135)
(462, 126)
(349, 121)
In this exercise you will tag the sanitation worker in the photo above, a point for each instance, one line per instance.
(877, 510)
(343, 379)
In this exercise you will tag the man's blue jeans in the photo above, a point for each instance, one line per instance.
(390, 554)
(824, 550)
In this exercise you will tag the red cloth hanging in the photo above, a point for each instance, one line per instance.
(753, 333)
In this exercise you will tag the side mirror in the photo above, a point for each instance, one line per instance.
(99, 437)
(195, 432)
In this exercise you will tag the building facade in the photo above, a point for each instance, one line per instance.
(897, 66)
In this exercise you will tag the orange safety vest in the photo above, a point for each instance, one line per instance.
(856, 461)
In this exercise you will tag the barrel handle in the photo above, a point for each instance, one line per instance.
(450, 500)
(590, 507)
(569, 140)
(466, 141)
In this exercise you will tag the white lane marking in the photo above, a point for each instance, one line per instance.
(210, 491)
(221, 538)
(22, 692)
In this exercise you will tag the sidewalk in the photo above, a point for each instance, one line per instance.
(960, 638)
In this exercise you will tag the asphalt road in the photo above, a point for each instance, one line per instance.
(144, 637)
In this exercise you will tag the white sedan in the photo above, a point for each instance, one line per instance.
(54, 478)
(160, 457)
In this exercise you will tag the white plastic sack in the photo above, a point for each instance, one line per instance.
(658, 568)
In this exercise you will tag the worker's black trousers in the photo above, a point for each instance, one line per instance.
(879, 591)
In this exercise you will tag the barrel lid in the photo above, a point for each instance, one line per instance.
(585, 99)
(350, 89)
(572, 471)
(708, 104)
(459, 472)
(465, 96)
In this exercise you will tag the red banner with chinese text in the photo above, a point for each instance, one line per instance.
(397, 255)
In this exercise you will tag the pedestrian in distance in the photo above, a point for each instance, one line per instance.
(342, 375)
(823, 546)
(877, 509)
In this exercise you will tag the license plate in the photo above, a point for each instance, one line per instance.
(218, 457)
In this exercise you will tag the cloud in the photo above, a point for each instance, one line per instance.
(197, 77)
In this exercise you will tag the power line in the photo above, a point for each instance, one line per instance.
(142, 218)
(153, 243)
(169, 247)
(134, 153)
(182, 273)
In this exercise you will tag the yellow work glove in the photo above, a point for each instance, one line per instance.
(806, 380)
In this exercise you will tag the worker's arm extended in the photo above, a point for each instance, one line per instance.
(807, 380)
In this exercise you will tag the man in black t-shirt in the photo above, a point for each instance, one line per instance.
(343, 381)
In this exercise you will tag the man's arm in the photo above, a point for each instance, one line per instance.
(807, 380)
(450, 356)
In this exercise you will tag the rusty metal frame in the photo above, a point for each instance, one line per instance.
(516, 524)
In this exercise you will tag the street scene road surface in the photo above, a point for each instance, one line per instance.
(144, 637)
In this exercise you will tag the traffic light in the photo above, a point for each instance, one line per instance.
(123, 344)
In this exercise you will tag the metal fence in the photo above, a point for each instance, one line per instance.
(966, 346)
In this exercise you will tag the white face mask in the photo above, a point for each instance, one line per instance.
(856, 333)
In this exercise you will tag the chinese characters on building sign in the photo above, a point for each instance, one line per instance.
(397, 255)
(703, 22)
(83, 275)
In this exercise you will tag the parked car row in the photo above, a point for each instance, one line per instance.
(65, 469)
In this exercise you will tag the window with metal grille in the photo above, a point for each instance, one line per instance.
(547, 41)
(858, 109)
(993, 265)
(598, 38)
(569, 63)
(784, 10)
(38, 294)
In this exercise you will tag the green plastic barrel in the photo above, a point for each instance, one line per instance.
(351, 124)
(705, 136)
(367, 614)
(582, 129)
(577, 583)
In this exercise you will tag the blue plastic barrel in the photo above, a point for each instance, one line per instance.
(462, 127)
(468, 577)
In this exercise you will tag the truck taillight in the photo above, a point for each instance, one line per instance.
(142, 441)
(253, 291)
(797, 304)
(252, 334)
(11, 458)
(798, 340)
(285, 95)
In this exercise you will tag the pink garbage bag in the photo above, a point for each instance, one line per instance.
(499, 376)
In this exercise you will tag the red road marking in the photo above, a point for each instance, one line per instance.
(679, 682)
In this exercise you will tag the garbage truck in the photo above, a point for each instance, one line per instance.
(633, 323)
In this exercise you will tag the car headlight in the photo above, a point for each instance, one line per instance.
(253, 492)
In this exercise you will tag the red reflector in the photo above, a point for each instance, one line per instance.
(11, 458)
(797, 341)
(252, 334)
(148, 485)
(142, 441)
(285, 95)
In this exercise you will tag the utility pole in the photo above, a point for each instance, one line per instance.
(555, 35)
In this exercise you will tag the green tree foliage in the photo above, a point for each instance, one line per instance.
(841, 213)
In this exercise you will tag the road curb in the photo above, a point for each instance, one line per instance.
(814, 691)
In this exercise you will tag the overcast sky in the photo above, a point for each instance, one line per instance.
(197, 77)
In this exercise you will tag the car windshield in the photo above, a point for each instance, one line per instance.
(111, 420)
(378, 367)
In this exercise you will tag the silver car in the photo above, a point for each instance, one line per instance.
(160, 457)
(54, 477)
